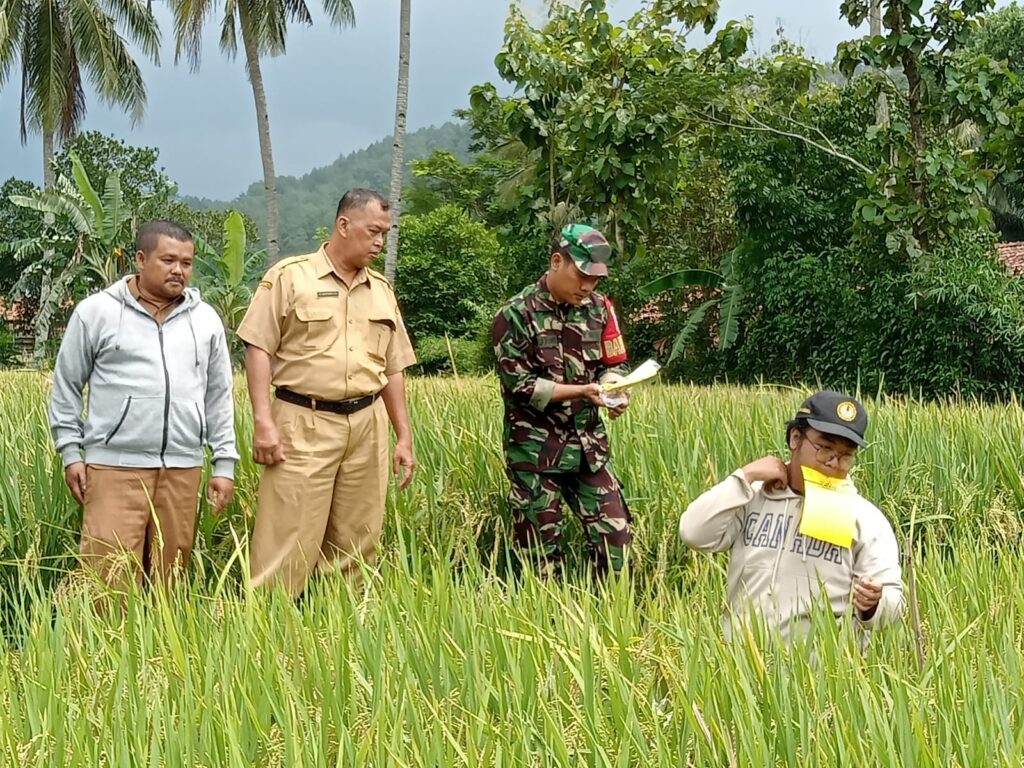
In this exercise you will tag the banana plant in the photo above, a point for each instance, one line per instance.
(728, 295)
(225, 279)
(84, 239)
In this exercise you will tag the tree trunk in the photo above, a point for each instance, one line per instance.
(252, 65)
(48, 178)
(875, 21)
(41, 323)
(398, 140)
(917, 138)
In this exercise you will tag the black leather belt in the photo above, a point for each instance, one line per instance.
(333, 406)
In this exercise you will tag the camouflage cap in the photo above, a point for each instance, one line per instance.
(588, 249)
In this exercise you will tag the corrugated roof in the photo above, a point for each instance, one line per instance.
(1012, 255)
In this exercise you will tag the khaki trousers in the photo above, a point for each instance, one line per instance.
(138, 521)
(322, 507)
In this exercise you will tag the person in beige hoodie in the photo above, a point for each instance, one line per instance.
(777, 574)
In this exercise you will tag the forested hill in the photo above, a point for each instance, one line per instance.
(307, 202)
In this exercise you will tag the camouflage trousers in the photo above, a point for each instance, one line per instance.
(535, 503)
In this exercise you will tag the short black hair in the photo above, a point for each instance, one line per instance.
(360, 197)
(150, 232)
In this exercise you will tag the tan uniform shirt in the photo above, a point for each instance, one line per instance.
(328, 340)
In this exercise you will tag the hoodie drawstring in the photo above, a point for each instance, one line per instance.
(120, 320)
(195, 343)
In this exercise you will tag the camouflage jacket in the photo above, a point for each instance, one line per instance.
(540, 342)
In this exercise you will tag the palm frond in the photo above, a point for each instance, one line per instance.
(141, 28)
(229, 29)
(106, 58)
(340, 12)
(189, 18)
(12, 21)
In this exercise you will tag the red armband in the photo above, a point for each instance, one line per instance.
(613, 346)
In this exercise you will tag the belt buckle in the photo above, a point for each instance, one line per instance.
(312, 403)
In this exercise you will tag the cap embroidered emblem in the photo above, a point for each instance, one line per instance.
(846, 411)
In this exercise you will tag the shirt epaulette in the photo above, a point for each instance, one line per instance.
(378, 275)
(290, 261)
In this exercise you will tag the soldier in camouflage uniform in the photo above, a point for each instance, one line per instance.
(557, 342)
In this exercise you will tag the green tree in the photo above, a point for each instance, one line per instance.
(57, 45)
(831, 298)
(16, 223)
(1001, 37)
(452, 283)
(602, 115)
(142, 180)
(926, 188)
(263, 26)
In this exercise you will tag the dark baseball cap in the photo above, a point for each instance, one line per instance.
(834, 413)
(588, 249)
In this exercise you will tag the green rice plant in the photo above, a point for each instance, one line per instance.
(447, 659)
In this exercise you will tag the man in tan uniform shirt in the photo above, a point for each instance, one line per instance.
(326, 331)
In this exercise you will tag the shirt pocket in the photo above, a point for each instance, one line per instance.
(185, 426)
(549, 349)
(379, 333)
(318, 327)
(139, 426)
(592, 347)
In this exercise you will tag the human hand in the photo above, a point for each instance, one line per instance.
(403, 460)
(867, 591)
(267, 447)
(74, 476)
(219, 492)
(619, 403)
(770, 470)
(591, 392)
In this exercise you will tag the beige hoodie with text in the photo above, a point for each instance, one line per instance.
(778, 573)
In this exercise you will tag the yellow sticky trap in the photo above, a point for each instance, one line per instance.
(829, 504)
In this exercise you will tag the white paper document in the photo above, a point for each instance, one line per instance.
(646, 370)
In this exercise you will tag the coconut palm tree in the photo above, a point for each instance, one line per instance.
(263, 26)
(398, 140)
(56, 46)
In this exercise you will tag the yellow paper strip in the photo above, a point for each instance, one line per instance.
(829, 508)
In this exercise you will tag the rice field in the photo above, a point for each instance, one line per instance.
(448, 659)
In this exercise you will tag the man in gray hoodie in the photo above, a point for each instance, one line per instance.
(776, 572)
(156, 362)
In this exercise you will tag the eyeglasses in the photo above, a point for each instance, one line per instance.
(843, 460)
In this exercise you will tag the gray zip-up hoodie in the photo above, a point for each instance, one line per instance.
(157, 393)
(776, 572)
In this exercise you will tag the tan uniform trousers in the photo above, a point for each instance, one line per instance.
(138, 521)
(322, 507)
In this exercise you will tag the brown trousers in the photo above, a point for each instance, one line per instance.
(322, 508)
(138, 521)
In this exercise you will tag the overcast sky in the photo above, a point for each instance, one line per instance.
(334, 90)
